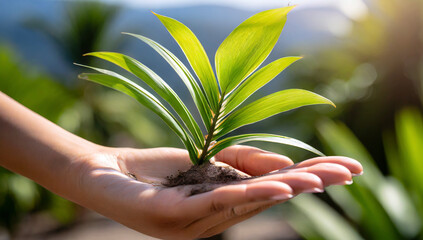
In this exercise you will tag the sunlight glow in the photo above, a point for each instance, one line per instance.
(354, 9)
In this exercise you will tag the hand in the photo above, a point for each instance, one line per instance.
(106, 185)
(99, 178)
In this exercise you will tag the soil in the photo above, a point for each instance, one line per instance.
(205, 177)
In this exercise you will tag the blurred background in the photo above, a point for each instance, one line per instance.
(365, 55)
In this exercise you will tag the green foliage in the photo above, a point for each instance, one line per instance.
(85, 26)
(158, 85)
(248, 46)
(258, 137)
(17, 196)
(192, 85)
(33, 89)
(120, 83)
(375, 206)
(256, 81)
(268, 106)
(40, 93)
(322, 222)
(241, 53)
(196, 56)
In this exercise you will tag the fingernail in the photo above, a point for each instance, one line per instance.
(283, 196)
(348, 182)
(314, 190)
(357, 174)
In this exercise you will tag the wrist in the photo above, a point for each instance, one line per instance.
(84, 170)
(36, 148)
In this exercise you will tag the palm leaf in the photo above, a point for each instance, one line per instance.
(268, 106)
(158, 85)
(256, 81)
(196, 56)
(122, 84)
(183, 72)
(222, 144)
(248, 46)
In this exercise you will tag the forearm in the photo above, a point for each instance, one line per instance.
(38, 149)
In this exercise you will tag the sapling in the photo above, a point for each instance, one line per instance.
(218, 99)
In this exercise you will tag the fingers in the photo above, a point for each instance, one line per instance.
(229, 205)
(352, 165)
(300, 182)
(309, 176)
(329, 173)
(251, 160)
(229, 196)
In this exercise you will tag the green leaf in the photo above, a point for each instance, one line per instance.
(372, 191)
(248, 46)
(158, 85)
(196, 56)
(122, 84)
(409, 128)
(341, 141)
(183, 72)
(259, 137)
(325, 220)
(268, 106)
(256, 81)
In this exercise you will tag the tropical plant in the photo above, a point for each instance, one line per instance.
(240, 54)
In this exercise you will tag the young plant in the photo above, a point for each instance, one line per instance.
(218, 101)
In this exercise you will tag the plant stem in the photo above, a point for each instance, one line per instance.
(210, 133)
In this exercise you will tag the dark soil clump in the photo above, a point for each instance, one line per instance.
(204, 178)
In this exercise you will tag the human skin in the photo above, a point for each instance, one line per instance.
(97, 177)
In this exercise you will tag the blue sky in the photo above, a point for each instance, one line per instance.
(354, 9)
